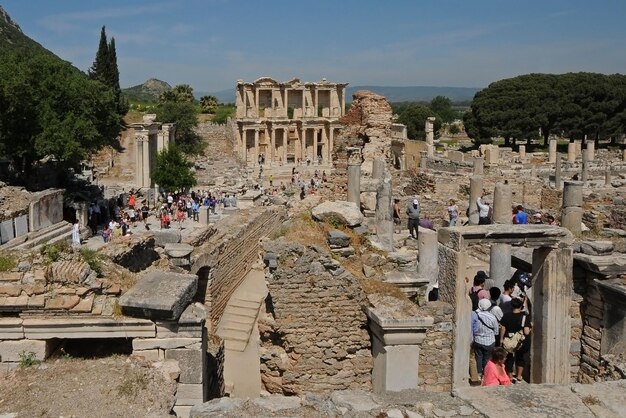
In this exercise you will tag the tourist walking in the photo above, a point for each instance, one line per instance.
(453, 212)
(515, 339)
(413, 212)
(485, 337)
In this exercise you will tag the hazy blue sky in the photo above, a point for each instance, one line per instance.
(212, 43)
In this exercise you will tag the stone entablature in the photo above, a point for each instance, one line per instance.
(150, 138)
(288, 122)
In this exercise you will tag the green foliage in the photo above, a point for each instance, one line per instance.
(208, 104)
(454, 129)
(92, 257)
(28, 359)
(223, 112)
(7, 262)
(172, 171)
(177, 106)
(53, 252)
(51, 108)
(573, 105)
(442, 107)
(414, 117)
(105, 70)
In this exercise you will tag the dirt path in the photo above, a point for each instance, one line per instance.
(115, 386)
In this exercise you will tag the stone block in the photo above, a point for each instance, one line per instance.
(166, 236)
(11, 329)
(171, 329)
(338, 239)
(11, 350)
(345, 212)
(191, 363)
(596, 247)
(148, 355)
(6, 231)
(189, 393)
(87, 327)
(160, 295)
(164, 343)
(21, 225)
(182, 411)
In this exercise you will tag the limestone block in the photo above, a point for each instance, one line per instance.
(164, 343)
(368, 200)
(11, 350)
(191, 363)
(148, 355)
(160, 295)
(182, 411)
(338, 239)
(596, 247)
(6, 231)
(21, 225)
(346, 212)
(101, 327)
(204, 216)
(178, 250)
(189, 394)
(11, 329)
(344, 252)
(165, 236)
(69, 271)
(457, 156)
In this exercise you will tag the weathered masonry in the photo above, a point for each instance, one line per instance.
(150, 138)
(287, 122)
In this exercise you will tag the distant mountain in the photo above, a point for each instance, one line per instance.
(148, 91)
(417, 93)
(12, 37)
(393, 94)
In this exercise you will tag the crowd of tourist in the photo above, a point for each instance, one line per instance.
(501, 330)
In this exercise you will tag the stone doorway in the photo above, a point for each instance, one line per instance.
(551, 293)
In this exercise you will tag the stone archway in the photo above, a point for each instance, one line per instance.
(552, 277)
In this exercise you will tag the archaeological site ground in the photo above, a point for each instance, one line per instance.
(297, 294)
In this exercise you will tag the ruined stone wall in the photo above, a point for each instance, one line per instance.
(314, 337)
(230, 254)
(435, 358)
(592, 319)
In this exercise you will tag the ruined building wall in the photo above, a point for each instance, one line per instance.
(230, 254)
(314, 336)
(592, 318)
(435, 358)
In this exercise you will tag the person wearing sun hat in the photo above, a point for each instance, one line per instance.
(413, 212)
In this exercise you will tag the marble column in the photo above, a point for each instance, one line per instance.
(479, 164)
(354, 176)
(378, 168)
(256, 146)
(551, 340)
(428, 250)
(273, 153)
(331, 144)
(139, 161)
(314, 156)
(285, 143)
(571, 152)
(476, 191)
(578, 145)
(500, 254)
(584, 175)
(557, 172)
(571, 209)
(591, 150)
(430, 136)
(384, 213)
(522, 151)
(147, 180)
(552, 151)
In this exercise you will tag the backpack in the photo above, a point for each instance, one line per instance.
(474, 298)
(512, 343)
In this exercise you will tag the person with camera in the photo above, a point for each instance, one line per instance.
(515, 329)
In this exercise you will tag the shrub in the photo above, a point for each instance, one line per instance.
(7, 262)
(54, 251)
(92, 258)
(28, 359)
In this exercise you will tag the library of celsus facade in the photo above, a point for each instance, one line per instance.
(286, 123)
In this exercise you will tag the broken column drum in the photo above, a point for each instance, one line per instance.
(479, 163)
(384, 213)
(476, 191)
(552, 151)
(557, 172)
(572, 211)
(354, 175)
(430, 136)
(378, 168)
(571, 152)
(522, 151)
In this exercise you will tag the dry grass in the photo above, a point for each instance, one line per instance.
(372, 286)
(591, 400)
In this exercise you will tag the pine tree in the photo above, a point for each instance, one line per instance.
(100, 67)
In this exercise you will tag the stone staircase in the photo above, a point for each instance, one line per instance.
(33, 240)
(239, 318)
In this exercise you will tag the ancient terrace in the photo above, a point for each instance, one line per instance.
(287, 122)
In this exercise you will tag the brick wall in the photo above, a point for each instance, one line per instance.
(435, 358)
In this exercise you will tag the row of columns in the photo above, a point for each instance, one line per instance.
(272, 157)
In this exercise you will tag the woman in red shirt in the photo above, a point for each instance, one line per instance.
(495, 374)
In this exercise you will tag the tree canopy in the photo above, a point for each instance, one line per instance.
(48, 107)
(208, 104)
(414, 116)
(177, 106)
(104, 69)
(172, 171)
(574, 105)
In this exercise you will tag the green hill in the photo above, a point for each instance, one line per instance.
(147, 92)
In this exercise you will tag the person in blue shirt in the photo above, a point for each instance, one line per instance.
(195, 209)
(521, 217)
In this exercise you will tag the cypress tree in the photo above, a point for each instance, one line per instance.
(100, 67)
(113, 75)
